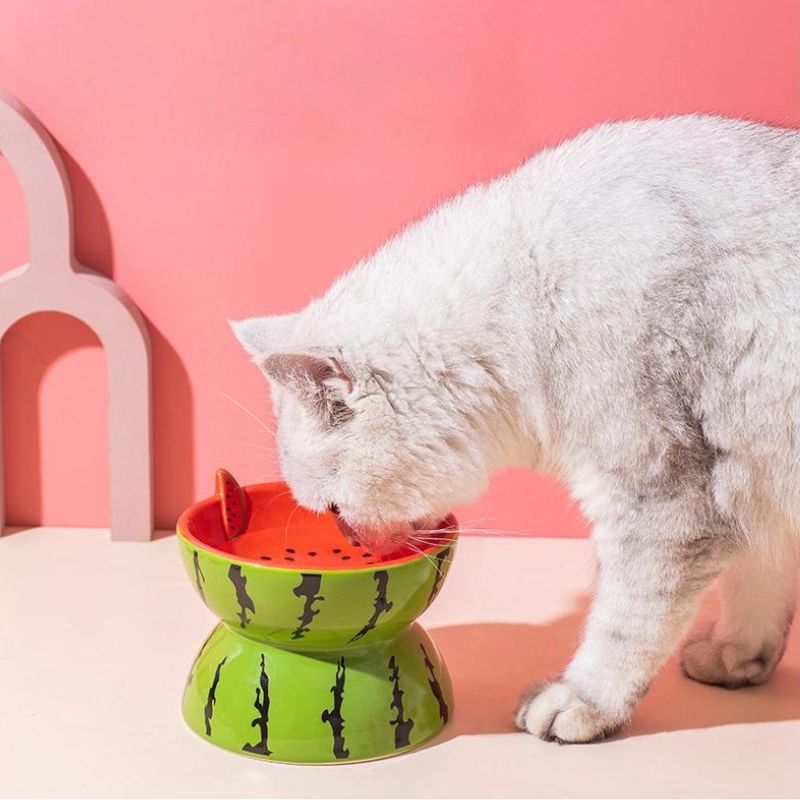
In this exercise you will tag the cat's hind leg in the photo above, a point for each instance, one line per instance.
(745, 644)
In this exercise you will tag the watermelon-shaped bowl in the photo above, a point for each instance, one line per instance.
(317, 657)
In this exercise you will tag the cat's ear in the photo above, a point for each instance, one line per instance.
(309, 373)
(318, 380)
(261, 335)
(315, 375)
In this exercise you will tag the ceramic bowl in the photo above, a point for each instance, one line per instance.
(317, 657)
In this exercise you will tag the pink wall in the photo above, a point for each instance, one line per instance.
(230, 157)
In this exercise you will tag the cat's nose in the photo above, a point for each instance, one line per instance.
(346, 530)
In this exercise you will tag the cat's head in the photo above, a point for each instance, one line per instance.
(391, 437)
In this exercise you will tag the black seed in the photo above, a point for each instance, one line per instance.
(312, 552)
(345, 558)
(290, 549)
(288, 558)
(356, 544)
(266, 558)
(337, 550)
(366, 555)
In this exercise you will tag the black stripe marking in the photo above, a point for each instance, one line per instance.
(402, 725)
(261, 705)
(308, 588)
(380, 605)
(438, 575)
(239, 580)
(436, 689)
(211, 700)
(334, 716)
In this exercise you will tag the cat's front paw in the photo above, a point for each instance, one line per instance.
(556, 712)
(730, 664)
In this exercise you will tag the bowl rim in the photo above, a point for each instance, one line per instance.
(183, 533)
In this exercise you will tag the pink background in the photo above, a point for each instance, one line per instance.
(230, 157)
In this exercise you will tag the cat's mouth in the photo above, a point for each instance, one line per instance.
(378, 541)
(419, 534)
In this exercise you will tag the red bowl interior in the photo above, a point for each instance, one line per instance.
(281, 533)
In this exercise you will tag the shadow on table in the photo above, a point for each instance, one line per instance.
(491, 664)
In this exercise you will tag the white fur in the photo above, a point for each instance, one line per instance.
(623, 311)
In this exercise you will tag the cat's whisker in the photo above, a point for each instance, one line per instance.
(484, 531)
(425, 548)
(428, 546)
(430, 559)
(478, 523)
(277, 497)
(433, 540)
(288, 520)
(250, 413)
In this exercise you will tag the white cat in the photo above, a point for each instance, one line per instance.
(623, 311)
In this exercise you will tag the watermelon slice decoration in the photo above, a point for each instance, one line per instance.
(233, 504)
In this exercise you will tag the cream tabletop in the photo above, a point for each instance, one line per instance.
(97, 638)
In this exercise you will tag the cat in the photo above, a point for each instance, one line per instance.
(622, 311)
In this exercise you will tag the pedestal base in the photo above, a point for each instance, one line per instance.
(318, 707)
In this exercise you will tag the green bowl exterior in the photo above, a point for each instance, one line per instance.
(284, 705)
(322, 610)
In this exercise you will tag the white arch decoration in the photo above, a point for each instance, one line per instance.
(53, 280)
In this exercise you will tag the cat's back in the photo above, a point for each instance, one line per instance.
(630, 208)
(625, 203)
(725, 177)
(703, 152)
